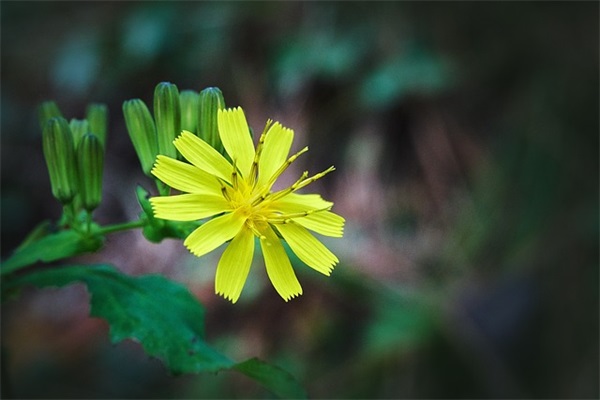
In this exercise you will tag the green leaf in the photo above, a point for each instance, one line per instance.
(162, 316)
(281, 382)
(49, 248)
(42, 229)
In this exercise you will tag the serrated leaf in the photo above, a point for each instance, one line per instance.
(49, 248)
(162, 316)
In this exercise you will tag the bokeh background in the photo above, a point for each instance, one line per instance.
(465, 136)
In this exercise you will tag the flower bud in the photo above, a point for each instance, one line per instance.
(210, 102)
(47, 110)
(97, 116)
(188, 100)
(167, 114)
(142, 132)
(79, 127)
(59, 152)
(90, 163)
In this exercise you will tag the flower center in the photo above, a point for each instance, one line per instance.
(241, 196)
(254, 203)
(241, 200)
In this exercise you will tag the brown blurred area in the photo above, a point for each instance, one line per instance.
(465, 140)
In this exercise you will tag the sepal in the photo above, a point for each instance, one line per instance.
(47, 110)
(188, 100)
(90, 159)
(79, 127)
(155, 229)
(142, 132)
(210, 102)
(167, 114)
(59, 151)
(97, 117)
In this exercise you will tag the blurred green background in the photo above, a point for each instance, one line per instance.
(465, 136)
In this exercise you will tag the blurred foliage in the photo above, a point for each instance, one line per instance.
(162, 316)
(486, 115)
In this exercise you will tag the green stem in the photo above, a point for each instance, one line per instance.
(89, 222)
(121, 227)
(163, 189)
(68, 215)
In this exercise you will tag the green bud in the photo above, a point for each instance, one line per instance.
(142, 132)
(210, 102)
(47, 110)
(90, 163)
(59, 152)
(167, 113)
(188, 100)
(97, 116)
(79, 127)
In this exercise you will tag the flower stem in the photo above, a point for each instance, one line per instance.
(121, 227)
(88, 222)
(68, 214)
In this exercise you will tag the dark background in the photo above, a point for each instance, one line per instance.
(465, 136)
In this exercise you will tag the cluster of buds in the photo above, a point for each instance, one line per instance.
(152, 134)
(74, 150)
(74, 153)
(174, 111)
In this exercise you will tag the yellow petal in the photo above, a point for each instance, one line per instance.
(203, 155)
(188, 207)
(294, 203)
(236, 138)
(312, 252)
(234, 265)
(276, 148)
(324, 222)
(214, 233)
(185, 177)
(278, 265)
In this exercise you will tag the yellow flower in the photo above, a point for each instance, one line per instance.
(240, 195)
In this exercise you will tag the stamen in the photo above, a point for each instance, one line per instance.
(256, 201)
(284, 166)
(268, 126)
(254, 230)
(313, 178)
(224, 190)
(264, 193)
(234, 176)
(284, 192)
(259, 147)
(287, 218)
